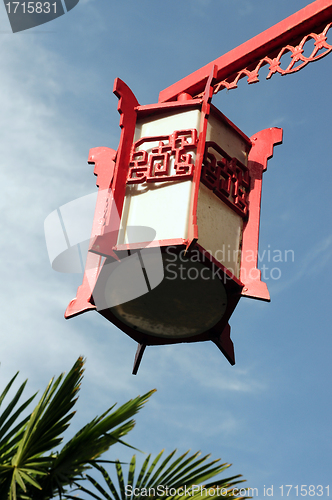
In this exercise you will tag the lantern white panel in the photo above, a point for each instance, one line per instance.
(219, 230)
(165, 124)
(162, 205)
(228, 138)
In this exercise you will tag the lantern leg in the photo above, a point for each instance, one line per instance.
(104, 161)
(104, 243)
(225, 344)
(138, 357)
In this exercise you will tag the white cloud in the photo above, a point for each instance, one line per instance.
(38, 158)
(313, 262)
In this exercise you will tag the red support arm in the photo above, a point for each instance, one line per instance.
(247, 59)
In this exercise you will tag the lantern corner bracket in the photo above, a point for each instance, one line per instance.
(262, 149)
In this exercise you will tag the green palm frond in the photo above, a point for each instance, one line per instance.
(41, 432)
(179, 479)
(10, 435)
(12, 427)
(82, 451)
(29, 468)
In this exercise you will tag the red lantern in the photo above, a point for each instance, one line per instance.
(177, 214)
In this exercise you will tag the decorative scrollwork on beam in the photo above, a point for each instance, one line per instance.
(298, 61)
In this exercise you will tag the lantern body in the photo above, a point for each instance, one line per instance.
(183, 178)
(174, 223)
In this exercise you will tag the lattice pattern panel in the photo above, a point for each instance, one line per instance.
(227, 177)
(163, 158)
(298, 61)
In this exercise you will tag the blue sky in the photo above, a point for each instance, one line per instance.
(270, 414)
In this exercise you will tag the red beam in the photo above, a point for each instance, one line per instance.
(268, 43)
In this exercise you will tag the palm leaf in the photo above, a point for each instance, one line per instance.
(176, 479)
(95, 438)
(50, 418)
(22, 445)
(10, 435)
(29, 469)
(131, 472)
